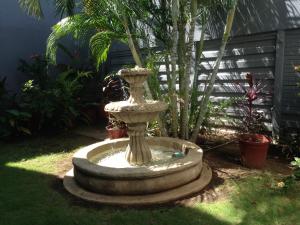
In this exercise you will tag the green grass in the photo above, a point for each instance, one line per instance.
(30, 194)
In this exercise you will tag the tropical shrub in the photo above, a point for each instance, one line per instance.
(13, 118)
(214, 114)
(115, 88)
(290, 142)
(53, 100)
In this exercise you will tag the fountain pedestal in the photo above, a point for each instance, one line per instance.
(140, 111)
(137, 151)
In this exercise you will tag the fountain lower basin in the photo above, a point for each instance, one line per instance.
(160, 181)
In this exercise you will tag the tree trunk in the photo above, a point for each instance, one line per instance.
(209, 89)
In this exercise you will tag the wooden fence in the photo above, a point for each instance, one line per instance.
(268, 56)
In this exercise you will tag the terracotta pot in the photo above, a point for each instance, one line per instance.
(114, 133)
(254, 149)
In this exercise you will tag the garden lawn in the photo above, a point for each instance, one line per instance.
(31, 194)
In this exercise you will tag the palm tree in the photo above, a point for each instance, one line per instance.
(171, 22)
(99, 21)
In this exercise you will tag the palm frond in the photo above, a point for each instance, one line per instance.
(32, 7)
(79, 26)
(100, 44)
(64, 7)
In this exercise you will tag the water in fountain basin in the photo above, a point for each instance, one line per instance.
(116, 157)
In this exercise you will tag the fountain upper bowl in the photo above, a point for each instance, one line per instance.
(136, 112)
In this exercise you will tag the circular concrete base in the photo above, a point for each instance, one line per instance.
(136, 200)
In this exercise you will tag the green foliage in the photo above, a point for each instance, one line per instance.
(292, 181)
(54, 104)
(153, 80)
(93, 25)
(296, 165)
(34, 7)
(290, 140)
(100, 45)
(215, 111)
(13, 118)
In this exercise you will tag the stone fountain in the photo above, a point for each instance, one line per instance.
(137, 170)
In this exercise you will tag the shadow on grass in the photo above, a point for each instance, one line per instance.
(29, 195)
(29, 198)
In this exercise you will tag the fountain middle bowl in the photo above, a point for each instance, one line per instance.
(147, 179)
(136, 112)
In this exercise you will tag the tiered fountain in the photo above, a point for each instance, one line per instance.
(138, 170)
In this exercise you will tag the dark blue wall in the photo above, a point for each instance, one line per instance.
(20, 37)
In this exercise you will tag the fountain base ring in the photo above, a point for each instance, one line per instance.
(140, 200)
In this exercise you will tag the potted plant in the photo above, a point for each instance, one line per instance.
(253, 143)
(116, 128)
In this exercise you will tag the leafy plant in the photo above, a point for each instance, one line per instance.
(296, 168)
(214, 113)
(115, 88)
(114, 123)
(290, 141)
(252, 121)
(13, 118)
(290, 181)
(53, 100)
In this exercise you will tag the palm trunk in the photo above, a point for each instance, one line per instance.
(195, 95)
(172, 87)
(138, 61)
(181, 52)
(208, 91)
(188, 69)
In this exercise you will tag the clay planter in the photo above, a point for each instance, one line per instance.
(115, 132)
(254, 149)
